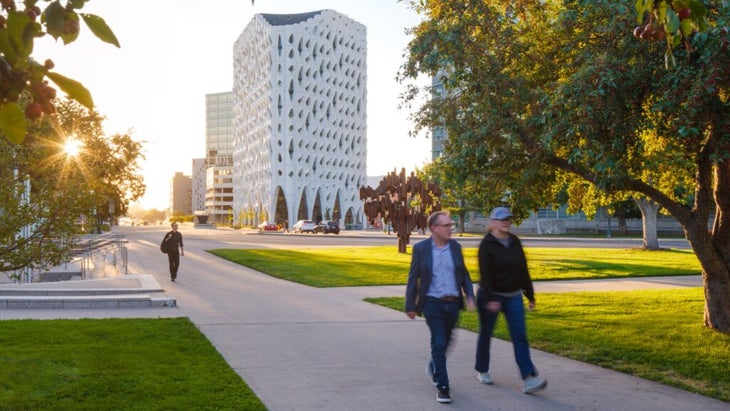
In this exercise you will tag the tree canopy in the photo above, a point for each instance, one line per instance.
(65, 169)
(540, 96)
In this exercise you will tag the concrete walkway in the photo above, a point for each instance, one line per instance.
(303, 348)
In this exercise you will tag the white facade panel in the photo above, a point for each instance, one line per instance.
(198, 185)
(300, 100)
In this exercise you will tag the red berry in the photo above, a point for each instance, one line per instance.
(638, 30)
(33, 110)
(49, 64)
(684, 13)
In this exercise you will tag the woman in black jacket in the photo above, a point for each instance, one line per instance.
(504, 279)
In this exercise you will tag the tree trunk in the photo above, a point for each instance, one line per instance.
(462, 217)
(717, 302)
(649, 210)
(715, 277)
(621, 218)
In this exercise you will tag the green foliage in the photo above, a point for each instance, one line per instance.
(46, 190)
(100, 29)
(22, 75)
(14, 122)
(551, 97)
(121, 364)
(73, 88)
(360, 266)
(653, 334)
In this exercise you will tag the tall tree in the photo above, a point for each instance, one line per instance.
(537, 89)
(49, 184)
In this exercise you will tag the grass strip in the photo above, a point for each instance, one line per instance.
(653, 334)
(383, 265)
(119, 364)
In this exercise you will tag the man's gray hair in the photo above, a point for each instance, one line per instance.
(433, 218)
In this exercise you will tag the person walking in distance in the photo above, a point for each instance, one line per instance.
(437, 282)
(174, 250)
(504, 279)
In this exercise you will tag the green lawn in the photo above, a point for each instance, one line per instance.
(358, 266)
(654, 334)
(115, 364)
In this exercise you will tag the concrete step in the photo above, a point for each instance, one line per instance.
(89, 301)
(129, 291)
(49, 292)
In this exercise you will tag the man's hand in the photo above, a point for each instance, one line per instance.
(411, 314)
(494, 306)
(470, 304)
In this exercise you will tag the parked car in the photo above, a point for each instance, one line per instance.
(327, 226)
(266, 226)
(304, 226)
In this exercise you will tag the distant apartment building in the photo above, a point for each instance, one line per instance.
(180, 195)
(218, 188)
(219, 194)
(300, 99)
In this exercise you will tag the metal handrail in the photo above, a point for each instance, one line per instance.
(92, 247)
(84, 252)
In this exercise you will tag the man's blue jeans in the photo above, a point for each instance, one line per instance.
(441, 318)
(514, 311)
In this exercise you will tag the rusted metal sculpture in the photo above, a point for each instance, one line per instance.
(403, 202)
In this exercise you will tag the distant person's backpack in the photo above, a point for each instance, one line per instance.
(165, 244)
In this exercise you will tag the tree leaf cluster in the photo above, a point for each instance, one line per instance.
(21, 73)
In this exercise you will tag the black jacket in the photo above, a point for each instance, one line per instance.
(504, 269)
(174, 240)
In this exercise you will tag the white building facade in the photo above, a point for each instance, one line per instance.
(198, 185)
(299, 103)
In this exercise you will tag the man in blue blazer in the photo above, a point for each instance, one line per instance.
(437, 282)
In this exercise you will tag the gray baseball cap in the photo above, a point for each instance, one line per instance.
(500, 213)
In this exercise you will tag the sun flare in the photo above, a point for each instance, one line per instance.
(72, 147)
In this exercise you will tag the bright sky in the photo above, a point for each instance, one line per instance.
(174, 52)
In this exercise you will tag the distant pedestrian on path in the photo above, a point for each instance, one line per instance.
(436, 281)
(504, 279)
(174, 250)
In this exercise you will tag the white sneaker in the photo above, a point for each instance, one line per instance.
(484, 378)
(533, 384)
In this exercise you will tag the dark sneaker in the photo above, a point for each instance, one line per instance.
(443, 396)
(533, 384)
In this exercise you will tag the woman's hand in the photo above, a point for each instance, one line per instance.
(494, 306)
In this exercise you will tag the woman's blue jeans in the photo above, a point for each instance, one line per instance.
(514, 311)
(441, 318)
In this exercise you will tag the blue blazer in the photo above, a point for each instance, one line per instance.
(420, 274)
